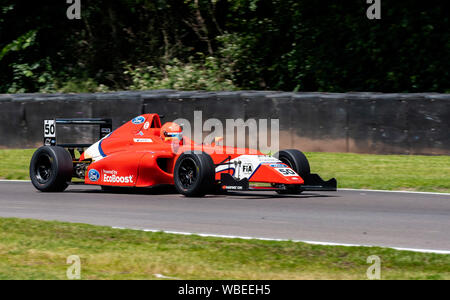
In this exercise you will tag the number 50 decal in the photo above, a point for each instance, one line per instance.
(286, 172)
(49, 128)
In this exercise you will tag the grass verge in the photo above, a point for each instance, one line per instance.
(384, 172)
(33, 249)
(15, 163)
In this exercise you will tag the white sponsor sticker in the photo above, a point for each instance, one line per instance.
(265, 159)
(143, 140)
(146, 125)
(234, 188)
(110, 176)
(112, 172)
(49, 129)
(286, 171)
(117, 179)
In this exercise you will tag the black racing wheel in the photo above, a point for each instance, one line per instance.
(194, 174)
(298, 162)
(51, 169)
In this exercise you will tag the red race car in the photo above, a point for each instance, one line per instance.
(142, 153)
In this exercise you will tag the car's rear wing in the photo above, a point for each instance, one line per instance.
(50, 137)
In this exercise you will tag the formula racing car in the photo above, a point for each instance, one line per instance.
(142, 153)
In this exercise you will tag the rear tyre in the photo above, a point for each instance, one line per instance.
(298, 162)
(194, 174)
(51, 169)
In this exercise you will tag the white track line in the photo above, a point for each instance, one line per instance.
(385, 191)
(344, 189)
(165, 277)
(5, 180)
(286, 240)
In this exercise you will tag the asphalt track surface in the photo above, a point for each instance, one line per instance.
(419, 221)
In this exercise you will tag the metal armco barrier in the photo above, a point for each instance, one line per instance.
(352, 122)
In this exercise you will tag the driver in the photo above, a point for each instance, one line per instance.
(171, 132)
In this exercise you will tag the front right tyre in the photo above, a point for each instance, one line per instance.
(51, 169)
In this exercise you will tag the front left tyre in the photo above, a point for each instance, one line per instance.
(194, 174)
(298, 162)
(51, 169)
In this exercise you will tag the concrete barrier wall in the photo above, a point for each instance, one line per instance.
(352, 122)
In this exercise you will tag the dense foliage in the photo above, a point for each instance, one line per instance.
(218, 44)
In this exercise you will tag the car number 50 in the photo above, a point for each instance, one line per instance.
(49, 128)
(287, 172)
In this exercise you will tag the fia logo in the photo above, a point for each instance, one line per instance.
(247, 168)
